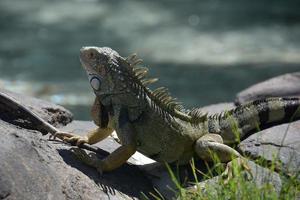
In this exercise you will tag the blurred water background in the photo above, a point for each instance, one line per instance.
(204, 51)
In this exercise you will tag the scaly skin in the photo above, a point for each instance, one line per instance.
(154, 124)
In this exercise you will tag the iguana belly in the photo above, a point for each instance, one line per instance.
(162, 143)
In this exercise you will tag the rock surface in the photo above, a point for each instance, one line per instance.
(281, 142)
(261, 176)
(52, 113)
(32, 167)
(285, 85)
(36, 168)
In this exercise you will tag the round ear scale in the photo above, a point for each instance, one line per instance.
(95, 83)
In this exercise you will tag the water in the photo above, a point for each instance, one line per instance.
(204, 51)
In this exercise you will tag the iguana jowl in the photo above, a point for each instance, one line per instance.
(155, 124)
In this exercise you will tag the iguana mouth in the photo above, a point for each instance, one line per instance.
(106, 94)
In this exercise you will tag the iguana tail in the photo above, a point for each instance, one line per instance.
(253, 117)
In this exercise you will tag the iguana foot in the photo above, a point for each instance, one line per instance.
(71, 138)
(235, 168)
(88, 159)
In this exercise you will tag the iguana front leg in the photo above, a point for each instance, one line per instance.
(211, 145)
(111, 162)
(91, 137)
(100, 118)
(120, 155)
(117, 157)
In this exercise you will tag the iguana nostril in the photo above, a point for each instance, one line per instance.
(95, 83)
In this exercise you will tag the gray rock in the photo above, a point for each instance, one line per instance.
(24, 172)
(32, 167)
(276, 141)
(261, 177)
(285, 85)
(160, 179)
(36, 168)
(281, 142)
(52, 113)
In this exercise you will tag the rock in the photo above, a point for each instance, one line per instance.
(32, 167)
(129, 177)
(160, 179)
(275, 142)
(52, 113)
(281, 142)
(24, 172)
(36, 168)
(284, 85)
(261, 177)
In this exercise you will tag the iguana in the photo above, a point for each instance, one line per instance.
(155, 124)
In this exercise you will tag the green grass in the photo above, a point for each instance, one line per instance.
(240, 188)
(237, 188)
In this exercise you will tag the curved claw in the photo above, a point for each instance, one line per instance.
(88, 159)
(235, 167)
(60, 135)
(78, 140)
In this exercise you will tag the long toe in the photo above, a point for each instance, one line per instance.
(82, 156)
(236, 168)
(61, 135)
(82, 140)
(76, 140)
(71, 140)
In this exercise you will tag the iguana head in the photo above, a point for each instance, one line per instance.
(101, 66)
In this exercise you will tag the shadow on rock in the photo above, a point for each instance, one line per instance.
(127, 179)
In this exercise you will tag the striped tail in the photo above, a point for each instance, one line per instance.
(253, 117)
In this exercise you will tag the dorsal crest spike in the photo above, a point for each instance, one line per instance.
(159, 99)
(162, 96)
(198, 115)
(137, 62)
(159, 90)
(141, 74)
(131, 57)
(149, 81)
(140, 69)
(133, 60)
